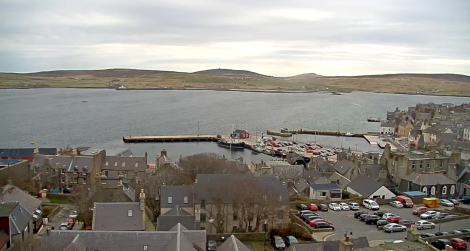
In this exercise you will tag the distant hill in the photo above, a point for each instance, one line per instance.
(230, 72)
(105, 73)
(448, 77)
(307, 75)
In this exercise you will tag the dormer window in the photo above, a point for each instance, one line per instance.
(170, 200)
(106, 163)
(129, 213)
(136, 164)
(185, 200)
(123, 164)
(115, 163)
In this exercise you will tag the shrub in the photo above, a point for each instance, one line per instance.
(46, 211)
(307, 236)
(346, 195)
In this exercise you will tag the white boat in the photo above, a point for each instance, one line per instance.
(348, 134)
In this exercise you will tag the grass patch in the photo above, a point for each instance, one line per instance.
(59, 201)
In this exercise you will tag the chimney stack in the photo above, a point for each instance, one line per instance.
(163, 153)
(142, 200)
(345, 245)
(146, 154)
(455, 157)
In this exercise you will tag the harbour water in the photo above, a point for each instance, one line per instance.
(59, 118)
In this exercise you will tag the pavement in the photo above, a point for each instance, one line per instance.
(345, 222)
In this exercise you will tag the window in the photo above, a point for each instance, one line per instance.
(444, 190)
(115, 163)
(203, 217)
(106, 173)
(322, 194)
(123, 164)
(280, 214)
(146, 247)
(13, 217)
(441, 164)
(185, 199)
(53, 171)
(203, 203)
(170, 200)
(413, 165)
(84, 181)
(452, 189)
(420, 165)
(136, 164)
(129, 213)
(75, 180)
(107, 162)
(433, 190)
(21, 210)
(235, 216)
(425, 190)
(47, 170)
(428, 164)
(280, 198)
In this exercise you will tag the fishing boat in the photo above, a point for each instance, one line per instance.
(232, 144)
(372, 119)
(84, 101)
(348, 134)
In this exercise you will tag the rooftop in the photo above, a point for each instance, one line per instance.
(118, 216)
(428, 179)
(328, 186)
(364, 185)
(181, 196)
(9, 193)
(117, 163)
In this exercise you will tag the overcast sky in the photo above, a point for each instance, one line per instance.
(274, 37)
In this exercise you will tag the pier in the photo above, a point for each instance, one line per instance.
(172, 138)
(319, 132)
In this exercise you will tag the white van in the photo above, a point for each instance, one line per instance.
(370, 204)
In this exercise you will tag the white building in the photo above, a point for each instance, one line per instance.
(367, 187)
(387, 127)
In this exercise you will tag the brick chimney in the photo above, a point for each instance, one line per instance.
(345, 244)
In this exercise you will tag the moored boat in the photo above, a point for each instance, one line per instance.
(231, 144)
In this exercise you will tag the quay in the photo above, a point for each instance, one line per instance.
(318, 132)
(173, 138)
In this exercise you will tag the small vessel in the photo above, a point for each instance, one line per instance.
(348, 134)
(84, 101)
(372, 119)
(232, 144)
(336, 93)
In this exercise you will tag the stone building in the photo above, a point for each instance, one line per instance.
(435, 184)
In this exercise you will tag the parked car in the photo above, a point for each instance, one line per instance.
(362, 217)
(440, 215)
(405, 221)
(388, 215)
(428, 215)
(290, 240)
(382, 222)
(65, 226)
(393, 227)
(305, 212)
(334, 206)
(396, 204)
(70, 220)
(311, 218)
(211, 245)
(278, 243)
(446, 203)
(357, 214)
(458, 243)
(323, 207)
(312, 223)
(426, 235)
(305, 216)
(379, 213)
(312, 207)
(456, 202)
(455, 232)
(394, 219)
(372, 219)
(466, 201)
(465, 230)
(441, 243)
(420, 210)
(301, 207)
(405, 201)
(323, 225)
(344, 206)
(442, 233)
(370, 204)
(422, 224)
(353, 205)
(74, 214)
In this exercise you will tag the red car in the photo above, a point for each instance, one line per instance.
(312, 223)
(458, 243)
(70, 220)
(312, 207)
(393, 219)
(420, 210)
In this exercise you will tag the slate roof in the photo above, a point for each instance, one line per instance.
(118, 163)
(123, 152)
(428, 179)
(343, 166)
(129, 240)
(360, 242)
(19, 216)
(288, 172)
(311, 175)
(364, 185)
(77, 244)
(300, 185)
(177, 194)
(25, 152)
(166, 222)
(69, 162)
(329, 186)
(465, 179)
(322, 180)
(340, 180)
(109, 183)
(323, 165)
(163, 159)
(112, 216)
(371, 170)
(387, 124)
(9, 193)
(210, 186)
(310, 246)
(232, 244)
(455, 145)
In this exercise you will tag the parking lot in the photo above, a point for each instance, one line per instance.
(345, 222)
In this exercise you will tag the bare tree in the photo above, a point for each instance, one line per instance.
(83, 200)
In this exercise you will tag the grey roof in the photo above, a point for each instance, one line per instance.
(128, 240)
(176, 210)
(77, 244)
(340, 180)
(407, 245)
(288, 172)
(322, 180)
(428, 179)
(371, 170)
(109, 183)
(455, 145)
(25, 152)
(343, 166)
(309, 246)
(300, 185)
(123, 152)
(465, 179)
(117, 163)
(9, 193)
(177, 194)
(166, 222)
(210, 186)
(387, 124)
(329, 186)
(19, 216)
(232, 244)
(311, 175)
(323, 165)
(448, 136)
(364, 185)
(415, 133)
(68, 162)
(113, 216)
(360, 242)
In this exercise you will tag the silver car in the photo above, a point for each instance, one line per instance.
(393, 227)
(396, 204)
(422, 224)
(446, 203)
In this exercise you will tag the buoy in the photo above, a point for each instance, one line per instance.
(32, 142)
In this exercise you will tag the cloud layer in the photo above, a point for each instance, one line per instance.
(274, 37)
